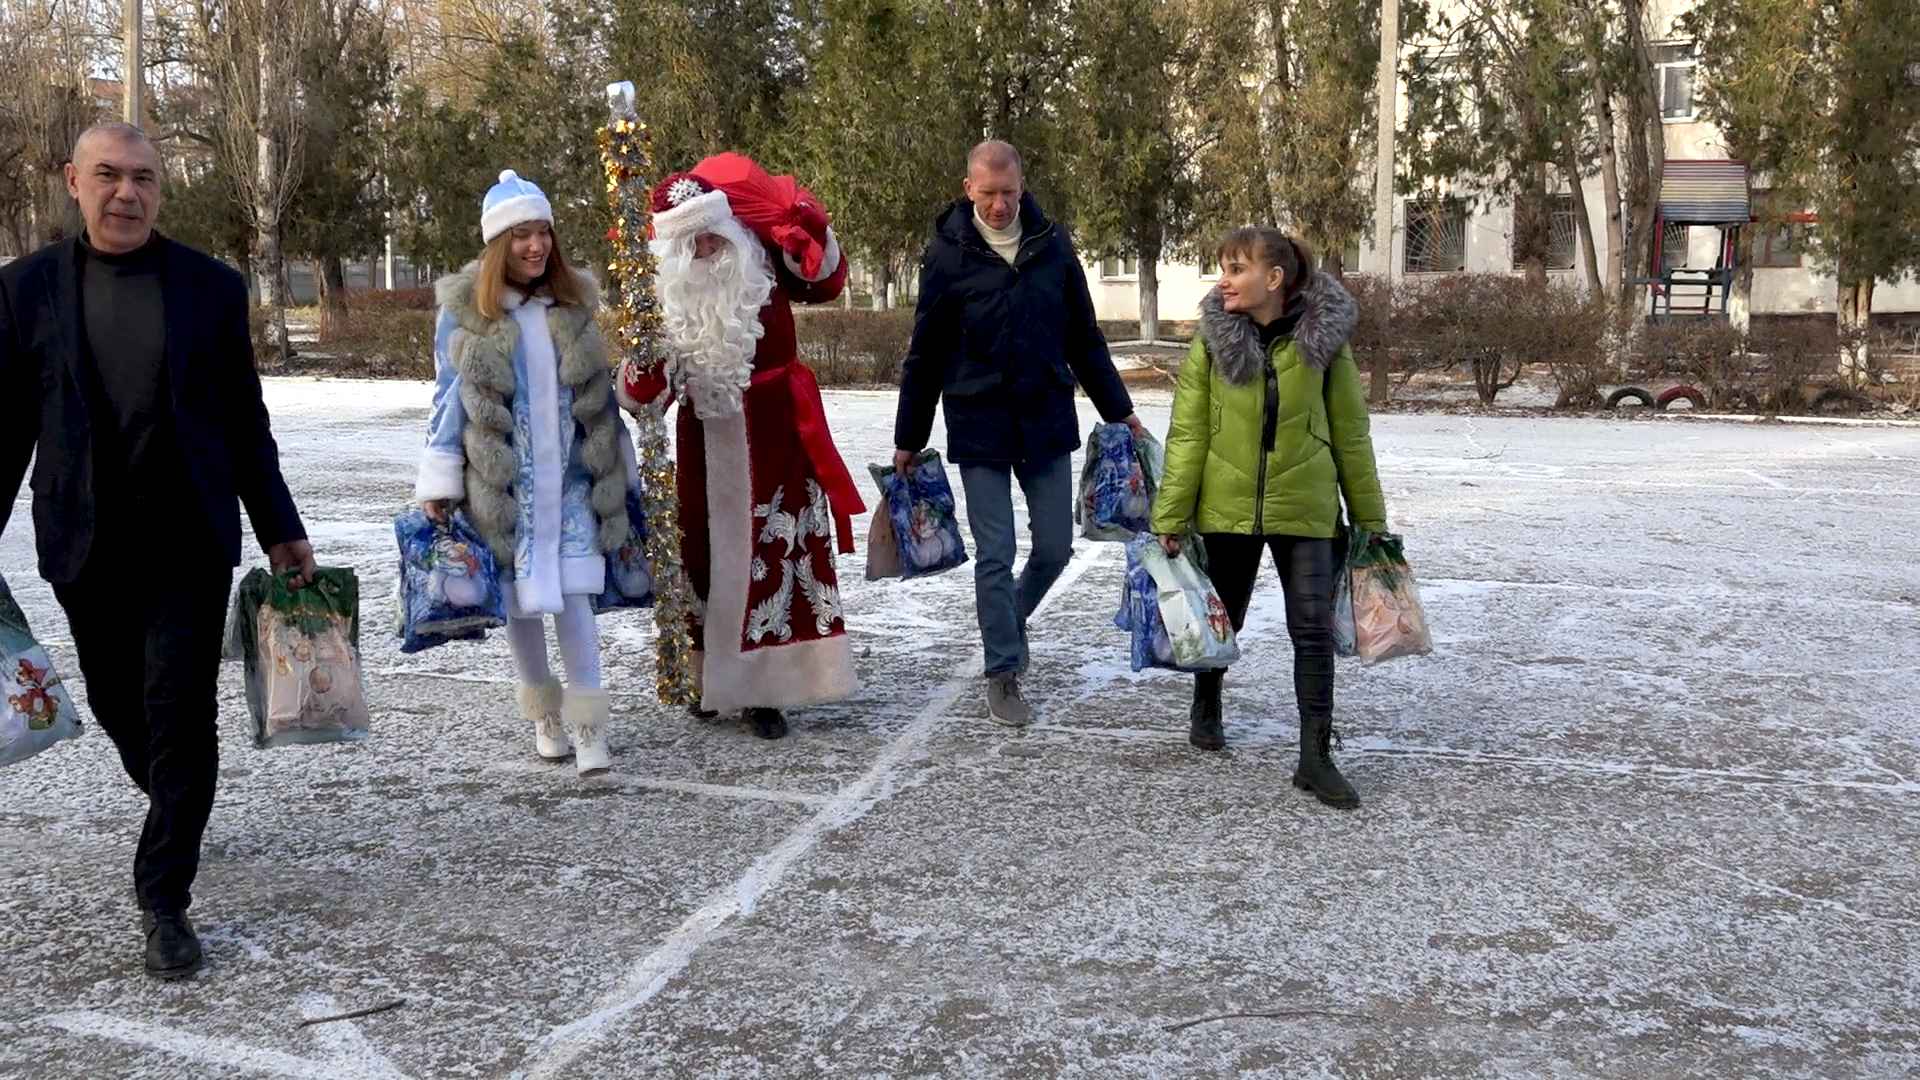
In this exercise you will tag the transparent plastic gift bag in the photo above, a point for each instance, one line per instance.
(1175, 615)
(449, 585)
(1117, 483)
(925, 520)
(301, 651)
(35, 711)
(1381, 602)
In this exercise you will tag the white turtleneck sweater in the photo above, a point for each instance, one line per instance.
(1005, 242)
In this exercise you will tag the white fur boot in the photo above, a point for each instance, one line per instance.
(585, 714)
(540, 703)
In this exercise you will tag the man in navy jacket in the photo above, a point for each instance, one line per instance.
(1003, 332)
(140, 408)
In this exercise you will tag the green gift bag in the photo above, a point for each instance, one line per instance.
(301, 652)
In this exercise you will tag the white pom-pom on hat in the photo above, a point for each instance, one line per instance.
(512, 201)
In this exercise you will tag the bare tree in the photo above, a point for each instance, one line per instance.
(255, 46)
(47, 49)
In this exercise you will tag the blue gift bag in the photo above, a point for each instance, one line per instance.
(926, 525)
(1117, 483)
(629, 578)
(449, 584)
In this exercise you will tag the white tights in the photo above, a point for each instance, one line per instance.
(579, 645)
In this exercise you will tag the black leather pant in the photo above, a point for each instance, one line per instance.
(1306, 577)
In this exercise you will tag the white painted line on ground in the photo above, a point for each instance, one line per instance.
(649, 783)
(224, 1053)
(1765, 479)
(561, 1047)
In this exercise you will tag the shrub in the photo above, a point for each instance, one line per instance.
(417, 299)
(854, 348)
(393, 344)
(1706, 352)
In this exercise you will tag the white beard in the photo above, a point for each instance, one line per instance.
(710, 309)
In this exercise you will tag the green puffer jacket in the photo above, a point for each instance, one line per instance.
(1318, 446)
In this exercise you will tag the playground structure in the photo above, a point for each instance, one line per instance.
(1712, 194)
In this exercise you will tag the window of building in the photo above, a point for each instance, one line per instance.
(1563, 244)
(1436, 236)
(1119, 266)
(1776, 243)
(1674, 65)
(1673, 246)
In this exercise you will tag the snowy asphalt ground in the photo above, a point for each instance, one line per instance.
(1651, 810)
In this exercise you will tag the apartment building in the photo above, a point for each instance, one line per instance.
(1457, 237)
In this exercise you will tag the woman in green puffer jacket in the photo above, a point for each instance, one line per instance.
(1269, 432)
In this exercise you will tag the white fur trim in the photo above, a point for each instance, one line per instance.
(782, 676)
(828, 262)
(442, 475)
(773, 676)
(518, 210)
(540, 584)
(693, 217)
(582, 575)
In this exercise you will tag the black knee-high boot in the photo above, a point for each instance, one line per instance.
(1204, 729)
(1317, 772)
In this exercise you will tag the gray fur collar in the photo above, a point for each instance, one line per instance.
(482, 351)
(1233, 341)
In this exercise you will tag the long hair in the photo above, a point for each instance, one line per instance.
(1268, 246)
(557, 279)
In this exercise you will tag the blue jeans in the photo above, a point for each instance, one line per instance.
(1003, 603)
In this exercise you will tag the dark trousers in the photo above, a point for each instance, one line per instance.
(148, 635)
(1305, 567)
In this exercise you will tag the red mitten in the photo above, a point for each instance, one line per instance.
(637, 388)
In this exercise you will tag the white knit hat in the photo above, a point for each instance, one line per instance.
(511, 202)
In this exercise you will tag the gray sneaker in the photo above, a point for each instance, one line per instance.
(1004, 703)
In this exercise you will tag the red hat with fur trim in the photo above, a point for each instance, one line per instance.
(687, 205)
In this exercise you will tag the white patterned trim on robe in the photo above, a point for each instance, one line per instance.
(772, 676)
(540, 589)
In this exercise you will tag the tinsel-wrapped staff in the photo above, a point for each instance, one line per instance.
(640, 346)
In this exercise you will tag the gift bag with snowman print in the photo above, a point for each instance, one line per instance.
(1117, 483)
(449, 585)
(926, 527)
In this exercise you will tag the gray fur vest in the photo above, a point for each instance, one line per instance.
(482, 350)
(1326, 323)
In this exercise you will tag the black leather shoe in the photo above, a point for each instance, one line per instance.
(699, 713)
(173, 950)
(767, 723)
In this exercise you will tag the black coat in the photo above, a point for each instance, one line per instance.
(1003, 345)
(220, 421)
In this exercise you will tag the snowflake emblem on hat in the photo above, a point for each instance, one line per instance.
(683, 189)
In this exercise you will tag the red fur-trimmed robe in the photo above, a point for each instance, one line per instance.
(765, 501)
